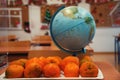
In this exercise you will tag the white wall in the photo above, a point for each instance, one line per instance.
(104, 39)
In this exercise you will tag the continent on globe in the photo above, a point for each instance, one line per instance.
(70, 12)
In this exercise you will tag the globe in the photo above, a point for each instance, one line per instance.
(72, 28)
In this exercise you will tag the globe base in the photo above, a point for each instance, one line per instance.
(83, 50)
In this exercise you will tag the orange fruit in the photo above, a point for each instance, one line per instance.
(16, 62)
(33, 70)
(71, 70)
(86, 59)
(14, 71)
(43, 60)
(59, 58)
(51, 70)
(69, 59)
(89, 69)
(54, 59)
(21, 62)
(32, 60)
(35, 60)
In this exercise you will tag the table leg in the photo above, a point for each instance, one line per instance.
(118, 45)
(115, 44)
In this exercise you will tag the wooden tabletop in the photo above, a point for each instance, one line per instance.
(14, 49)
(41, 42)
(109, 71)
(15, 46)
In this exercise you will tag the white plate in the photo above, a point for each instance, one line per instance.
(99, 77)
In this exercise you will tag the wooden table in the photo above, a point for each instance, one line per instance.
(15, 53)
(15, 50)
(117, 51)
(109, 72)
(15, 47)
(117, 48)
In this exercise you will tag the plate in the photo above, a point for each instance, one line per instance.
(99, 77)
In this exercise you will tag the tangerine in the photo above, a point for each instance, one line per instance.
(42, 60)
(69, 59)
(33, 70)
(86, 59)
(54, 59)
(51, 70)
(89, 69)
(21, 62)
(14, 71)
(35, 60)
(71, 70)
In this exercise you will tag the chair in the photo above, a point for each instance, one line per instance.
(42, 40)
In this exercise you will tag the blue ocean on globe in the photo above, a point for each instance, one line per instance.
(72, 28)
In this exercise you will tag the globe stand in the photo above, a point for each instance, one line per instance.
(83, 50)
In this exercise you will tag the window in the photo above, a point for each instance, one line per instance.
(10, 18)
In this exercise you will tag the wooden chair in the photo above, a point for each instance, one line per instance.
(12, 38)
(19, 44)
(42, 40)
(3, 38)
(8, 38)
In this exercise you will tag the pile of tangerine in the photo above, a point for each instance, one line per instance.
(52, 66)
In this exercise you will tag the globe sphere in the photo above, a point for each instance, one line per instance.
(72, 28)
